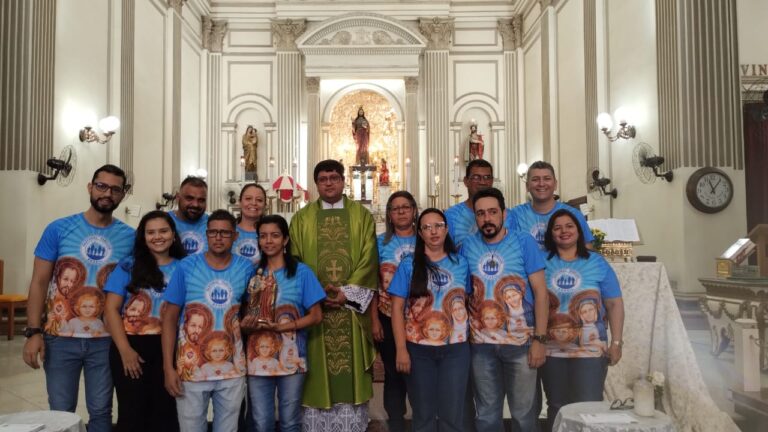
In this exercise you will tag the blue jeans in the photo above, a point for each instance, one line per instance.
(192, 407)
(437, 386)
(262, 392)
(394, 381)
(65, 357)
(499, 371)
(571, 380)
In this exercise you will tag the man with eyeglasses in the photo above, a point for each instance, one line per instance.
(336, 237)
(191, 220)
(90, 242)
(532, 217)
(508, 282)
(461, 217)
(209, 364)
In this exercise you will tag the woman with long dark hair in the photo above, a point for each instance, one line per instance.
(253, 199)
(277, 349)
(397, 242)
(435, 360)
(584, 294)
(132, 314)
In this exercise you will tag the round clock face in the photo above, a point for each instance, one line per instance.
(709, 190)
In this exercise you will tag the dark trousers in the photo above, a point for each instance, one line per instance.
(571, 380)
(143, 404)
(394, 381)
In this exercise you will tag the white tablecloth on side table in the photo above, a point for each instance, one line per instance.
(54, 421)
(569, 420)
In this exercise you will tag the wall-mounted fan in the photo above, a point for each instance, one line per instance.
(63, 168)
(129, 182)
(597, 185)
(647, 163)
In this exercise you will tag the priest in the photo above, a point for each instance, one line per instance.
(335, 236)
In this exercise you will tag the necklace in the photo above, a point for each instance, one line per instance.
(492, 266)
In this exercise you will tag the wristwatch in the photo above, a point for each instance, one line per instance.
(31, 331)
(541, 338)
(618, 343)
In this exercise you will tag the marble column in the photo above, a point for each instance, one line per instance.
(549, 115)
(289, 91)
(511, 32)
(408, 173)
(219, 159)
(314, 144)
(439, 33)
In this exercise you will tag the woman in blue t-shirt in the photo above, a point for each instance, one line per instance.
(132, 314)
(276, 348)
(429, 292)
(252, 201)
(584, 293)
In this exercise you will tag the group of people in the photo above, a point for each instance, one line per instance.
(466, 307)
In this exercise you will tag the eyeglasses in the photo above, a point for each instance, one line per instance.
(403, 208)
(223, 233)
(625, 404)
(436, 226)
(477, 178)
(330, 179)
(103, 187)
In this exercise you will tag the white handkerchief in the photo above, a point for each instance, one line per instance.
(617, 418)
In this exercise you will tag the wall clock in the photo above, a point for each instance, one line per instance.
(709, 190)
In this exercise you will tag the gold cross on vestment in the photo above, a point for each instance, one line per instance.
(333, 271)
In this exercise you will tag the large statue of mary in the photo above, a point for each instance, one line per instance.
(361, 133)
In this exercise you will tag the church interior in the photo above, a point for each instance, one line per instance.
(632, 101)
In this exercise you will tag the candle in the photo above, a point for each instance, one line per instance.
(430, 174)
(271, 169)
(437, 182)
(408, 174)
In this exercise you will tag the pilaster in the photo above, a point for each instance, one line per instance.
(127, 67)
(221, 140)
(411, 136)
(314, 148)
(511, 31)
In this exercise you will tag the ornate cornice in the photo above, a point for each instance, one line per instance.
(213, 33)
(411, 84)
(313, 85)
(438, 31)
(285, 32)
(176, 4)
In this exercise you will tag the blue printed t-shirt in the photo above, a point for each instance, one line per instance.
(439, 318)
(577, 288)
(84, 255)
(247, 245)
(390, 255)
(462, 223)
(192, 234)
(502, 304)
(209, 345)
(140, 311)
(529, 221)
(273, 353)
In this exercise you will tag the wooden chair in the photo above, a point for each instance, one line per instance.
(10, 302)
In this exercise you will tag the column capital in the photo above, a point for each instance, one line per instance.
(511, 31)
(285, 32)
(411, 84)
(176, 4)
(439, 32)
(213, 33)
(313, 85)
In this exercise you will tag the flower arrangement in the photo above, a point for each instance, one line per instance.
(599, 239)
(657, 379)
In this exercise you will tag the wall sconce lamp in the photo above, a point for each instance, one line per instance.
(168, 199)
(522, 171)
(107, 125)
(605, 123)
(595, 183)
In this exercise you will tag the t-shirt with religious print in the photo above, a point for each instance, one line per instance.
(535, 224)
(209, 344)
(272, 353)
(502, 303)
(390, 255)
(84, 255)
(141, 311)
(440, 317)
(577, 288)
(192, 234)
(462, 223)
(247, 245)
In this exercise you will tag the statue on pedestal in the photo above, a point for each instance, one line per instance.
(383, 173)
(250, 143)
(476, 145)
(361, 133)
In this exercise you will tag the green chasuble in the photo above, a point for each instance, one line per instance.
(340, 246)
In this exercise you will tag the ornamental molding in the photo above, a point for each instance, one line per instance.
(511, 31)
(313, 85)
(361, 30)
(213, 32)
(411, 84)
(285, 32)
(177, 4)
(438, 31)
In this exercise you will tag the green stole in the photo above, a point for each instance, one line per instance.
(339, 359)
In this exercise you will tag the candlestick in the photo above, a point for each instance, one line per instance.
(408, 174)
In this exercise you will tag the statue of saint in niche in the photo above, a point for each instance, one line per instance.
(476, 145)
(250, 143)
(361, 133)
(383, 173)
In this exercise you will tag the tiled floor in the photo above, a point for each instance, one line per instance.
(23, 389)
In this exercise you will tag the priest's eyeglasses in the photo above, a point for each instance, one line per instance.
(223, 233)
(435, 226)
(333, 179)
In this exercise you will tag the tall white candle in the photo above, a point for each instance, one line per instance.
(408, 174)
